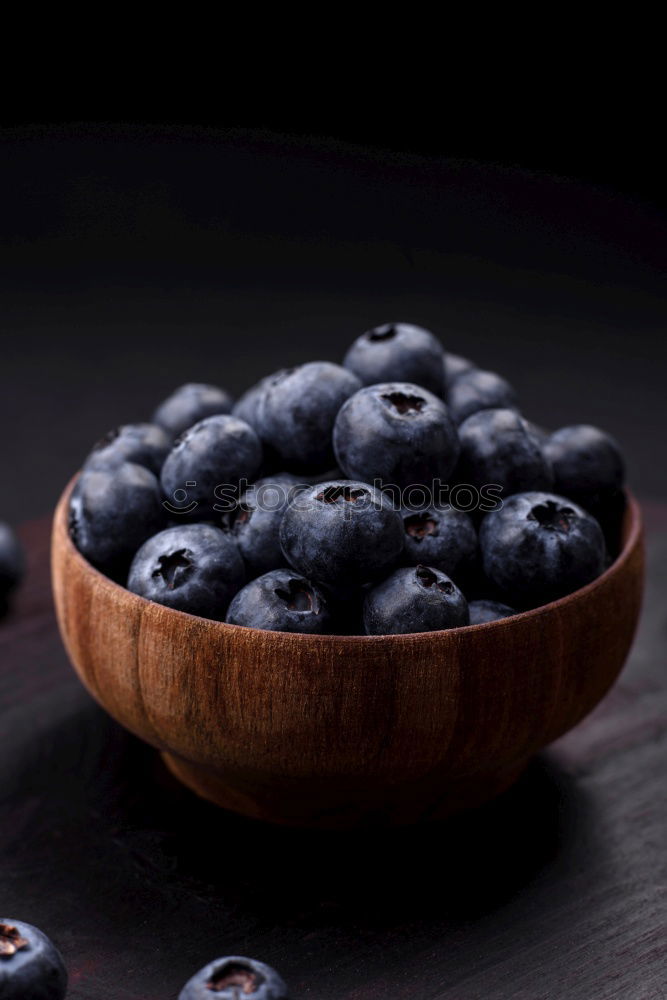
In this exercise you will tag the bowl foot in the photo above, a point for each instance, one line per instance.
(317, 804)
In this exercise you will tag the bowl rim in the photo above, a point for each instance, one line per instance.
(632, 522)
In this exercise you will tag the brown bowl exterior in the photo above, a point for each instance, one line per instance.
(342, 730)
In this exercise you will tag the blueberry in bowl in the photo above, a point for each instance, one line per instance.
(255, 521)
(297, 410)
(189, 404)
(587, 464)
(282, 601)
(414, 599)
(217, 453)
(455, 365)
(143, 444)
(498, 447)
(341, 534)
(539, 547)
(112, 512)
(475, 390)
(398, 352)
(395, 433)
(441, 537)
(191, 567)
(485, 610)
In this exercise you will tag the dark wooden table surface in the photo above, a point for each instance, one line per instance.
(557, 890)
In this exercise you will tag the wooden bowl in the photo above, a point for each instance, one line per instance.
(345, 730)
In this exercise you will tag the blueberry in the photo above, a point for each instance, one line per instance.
(398, 352)
(12, 562)
(282, 601)
(255, 523)
(484, 611)
(113, 512)
(31, 967)
(189, 404)
(456, 365)
(144, 444)
(479, 390)
(233, 978)
(498, 448)
(397, 433)
(441, 537)
(417, 599)
(341, 534)
(539, 547)
(219, 451)
(587, 463)
(248, 406)
(193, 567)
(297, 411)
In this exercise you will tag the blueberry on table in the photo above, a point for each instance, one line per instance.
(189, 404)
(255, 523)
(143, 444)
(297, 410)
(416, 599)
(235, 978)
(478, 390)
(442, 537)
(497, 447)
(588, 464)
(397, 433)
(219, 451)
(539, 547)
(282, 601)
(31, 968)
(192, 567)
(112, 512)
(484, 611)
(12, 561)
(398, 352)
(341, 534)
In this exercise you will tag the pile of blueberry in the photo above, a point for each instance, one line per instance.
(32, 968)
(400, 492)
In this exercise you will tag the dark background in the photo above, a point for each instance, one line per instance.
(137, 256)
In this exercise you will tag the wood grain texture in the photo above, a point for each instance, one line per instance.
(336, 731)
(553, 890)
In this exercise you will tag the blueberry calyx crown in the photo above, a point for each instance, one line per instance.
(418, 526)
(235, 974)
(298, 597)
(427, 578)
(10, 941)
(552, 516)
(332, 494)
(382, 332)
(174, 568)
(404, 403)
